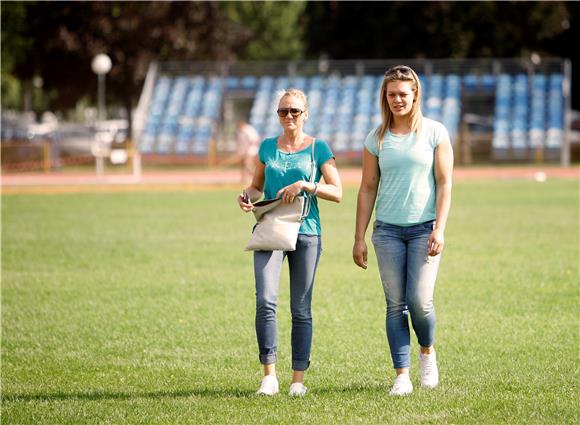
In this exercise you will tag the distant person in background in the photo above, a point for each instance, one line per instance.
(248, 141)
(407, 168)
(283, 170)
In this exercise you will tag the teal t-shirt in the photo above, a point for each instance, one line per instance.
(407, 192)
(283, 169)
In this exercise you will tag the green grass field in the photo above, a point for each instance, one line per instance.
(139, 308)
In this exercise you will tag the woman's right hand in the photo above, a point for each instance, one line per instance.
(244, 202)
(359, 253)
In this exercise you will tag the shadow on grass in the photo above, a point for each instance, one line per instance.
(355, 389)
(112, 395)
(202, 392)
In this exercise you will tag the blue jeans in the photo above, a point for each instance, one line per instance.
(408, 276)
(267, 267)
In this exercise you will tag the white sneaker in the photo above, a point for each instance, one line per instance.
(402, 385)
(428, 368)
(269, 385)
(297, 389)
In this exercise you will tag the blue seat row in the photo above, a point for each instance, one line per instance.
(182, 115)
(343, 110)
(529, 112)
(184, 111)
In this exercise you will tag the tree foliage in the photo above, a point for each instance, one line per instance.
(441, 29)
(14, 45)
(57, 40)
(65, 36)
(433, 29)
(277, 30)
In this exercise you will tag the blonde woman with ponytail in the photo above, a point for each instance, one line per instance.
(407, 170)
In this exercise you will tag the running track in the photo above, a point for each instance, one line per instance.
(212, 178)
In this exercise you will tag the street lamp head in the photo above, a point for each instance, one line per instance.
(37, 82)
(101, 64)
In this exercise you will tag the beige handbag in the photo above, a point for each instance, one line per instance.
(278, 223)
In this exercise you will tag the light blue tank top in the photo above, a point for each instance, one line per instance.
(283, 169)
(407, 191)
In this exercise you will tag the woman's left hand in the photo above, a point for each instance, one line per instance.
(290, 192)
(436, 242)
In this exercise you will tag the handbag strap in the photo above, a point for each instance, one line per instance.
(308, 196)
(313, 171)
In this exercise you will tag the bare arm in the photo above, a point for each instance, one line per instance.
(443, 182)
(255, 189)
(367, 195)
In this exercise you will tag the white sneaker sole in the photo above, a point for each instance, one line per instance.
(268, 394)
(400, 394)
(430, 386)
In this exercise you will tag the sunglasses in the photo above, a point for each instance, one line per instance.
(295, 112)
(401, 69)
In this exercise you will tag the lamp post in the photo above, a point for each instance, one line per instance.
(101, 65)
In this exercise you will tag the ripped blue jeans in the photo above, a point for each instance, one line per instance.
(408, 276)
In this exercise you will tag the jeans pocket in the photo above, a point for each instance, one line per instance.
(375, 237)
(381, 232)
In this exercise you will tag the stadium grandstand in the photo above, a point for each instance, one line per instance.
(495, 110)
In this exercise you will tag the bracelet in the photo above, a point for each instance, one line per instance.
(315, 189)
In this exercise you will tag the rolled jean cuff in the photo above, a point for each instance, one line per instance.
(267, 359)
(401, 365)
(300, 365)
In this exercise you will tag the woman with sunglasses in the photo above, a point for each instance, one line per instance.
(407, 168)
(283, 170)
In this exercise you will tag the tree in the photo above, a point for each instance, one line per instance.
(345, 30)
(14, 46)
(57, 40)
(60, 39)
(277, 28)
(65, 36)
(379, 30)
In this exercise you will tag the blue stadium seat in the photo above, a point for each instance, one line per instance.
(501, 139)
(300, 83)
(434, 98)
(470, 82)
(555, 118)
(537, 131)
(451, 110)
(249, 82)
(519, 115)
(232, 83)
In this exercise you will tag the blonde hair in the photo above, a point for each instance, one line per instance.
(399, 73)
(299, 94)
